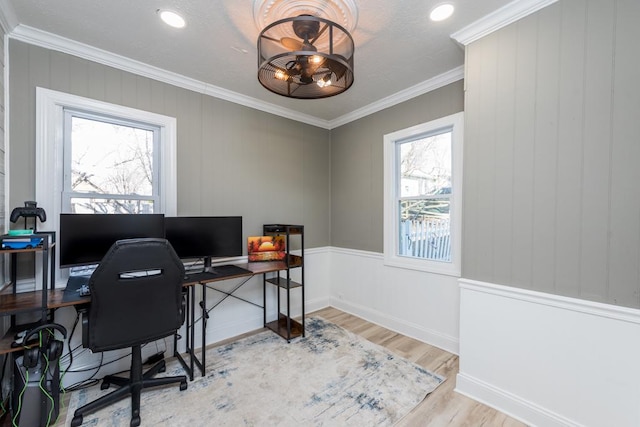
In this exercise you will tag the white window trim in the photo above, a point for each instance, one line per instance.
(391, 244)
(50, 106)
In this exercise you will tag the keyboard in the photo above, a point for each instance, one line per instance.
(217, 272)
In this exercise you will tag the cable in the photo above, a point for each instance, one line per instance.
(26, 383)
(43, 376)
(70, 354)
(61, 389)
(82, 384)
(4, 367)
(84, 350)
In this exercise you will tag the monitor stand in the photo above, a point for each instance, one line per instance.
(207, 266)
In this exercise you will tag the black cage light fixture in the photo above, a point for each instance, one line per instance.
(305, 57)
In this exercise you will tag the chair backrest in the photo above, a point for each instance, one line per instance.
(136, 295)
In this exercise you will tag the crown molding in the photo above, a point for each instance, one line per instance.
(434, 83)
(498, 19)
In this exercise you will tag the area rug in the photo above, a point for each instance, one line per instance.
(331, 377)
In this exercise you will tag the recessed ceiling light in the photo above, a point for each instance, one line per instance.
(441, 12)
(171, 18)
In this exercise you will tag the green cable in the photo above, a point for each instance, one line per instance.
(44, 390)
(26, 382)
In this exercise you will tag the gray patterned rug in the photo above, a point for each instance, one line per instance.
(329, 378)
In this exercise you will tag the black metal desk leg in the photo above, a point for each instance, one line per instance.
(191, 339)
(205, 317)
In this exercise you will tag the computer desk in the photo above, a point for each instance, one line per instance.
(202, 279)
(58, 298)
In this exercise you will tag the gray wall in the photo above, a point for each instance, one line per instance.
(232, 160)
(357, 165)
(551, 199)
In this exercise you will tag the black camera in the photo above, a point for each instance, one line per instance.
(30, 210)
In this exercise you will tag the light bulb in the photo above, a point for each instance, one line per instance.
(281, 75)
(315, 59)
(325, 81)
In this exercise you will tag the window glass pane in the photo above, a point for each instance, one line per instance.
(425, 166)
(106, 205)
(425, 229)
(110, 158)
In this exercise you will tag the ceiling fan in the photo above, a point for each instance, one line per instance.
(317, 63)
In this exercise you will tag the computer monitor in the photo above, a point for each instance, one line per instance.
(205, 236)
(85, 238)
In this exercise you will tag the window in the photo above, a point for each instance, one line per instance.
(110, 165)
(423, 176)
(92, 156)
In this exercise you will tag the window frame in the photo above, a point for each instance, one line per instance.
(50, 106)
(391, 142)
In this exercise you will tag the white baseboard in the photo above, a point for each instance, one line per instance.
(508, 403)
(549, 360)
(418, 332)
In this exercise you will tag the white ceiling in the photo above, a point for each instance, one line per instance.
(398, 49)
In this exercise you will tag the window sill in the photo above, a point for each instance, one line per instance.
(433, 267)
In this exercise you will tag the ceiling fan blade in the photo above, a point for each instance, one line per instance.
(269, 38)
(291, 43)
(336, 67)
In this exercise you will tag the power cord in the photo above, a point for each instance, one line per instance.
(43, 388)
(4, 367)
(26, 383)
(70, 354)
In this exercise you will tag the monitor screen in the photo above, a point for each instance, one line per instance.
(205, 236)
(86, 238)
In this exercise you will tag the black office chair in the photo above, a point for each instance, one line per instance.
(136, 297)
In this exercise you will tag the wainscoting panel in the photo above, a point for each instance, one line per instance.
(549, 360)
(417, 304)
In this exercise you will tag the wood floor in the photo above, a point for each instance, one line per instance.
(443, 407)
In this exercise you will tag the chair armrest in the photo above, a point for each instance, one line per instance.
(84, 312)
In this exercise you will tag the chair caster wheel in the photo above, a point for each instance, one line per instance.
(104, 385)
(77, 421)
(135, 421)
(183, 386)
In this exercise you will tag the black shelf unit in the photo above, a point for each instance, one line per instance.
(15, 303)
(285, 325)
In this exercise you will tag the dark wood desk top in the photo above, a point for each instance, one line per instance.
(251, 269)
(17, 303)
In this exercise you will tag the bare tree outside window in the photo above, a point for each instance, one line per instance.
(111, 167)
